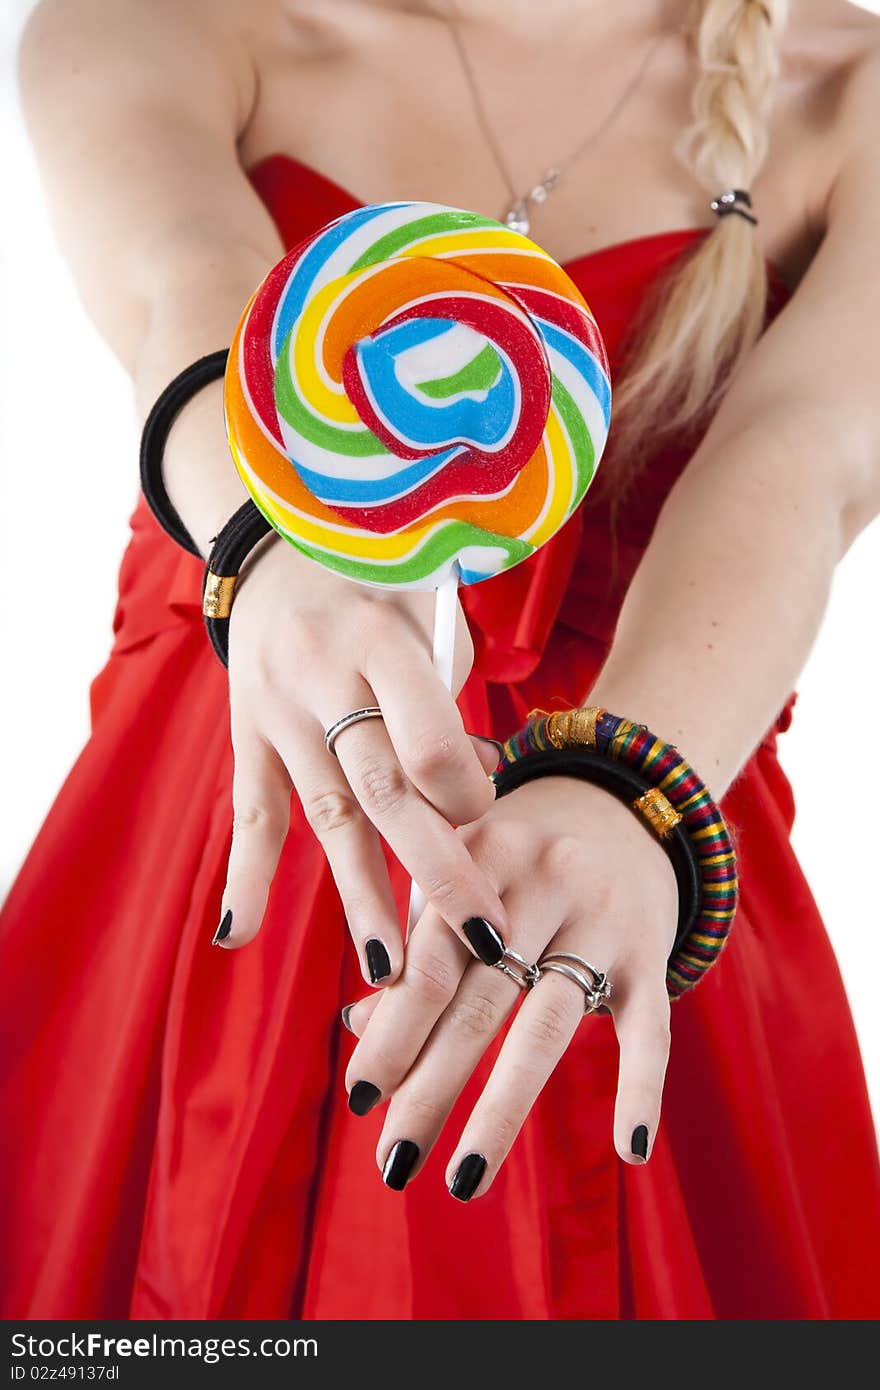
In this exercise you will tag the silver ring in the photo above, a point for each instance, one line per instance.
(518, 969)
(594, 983)
(332, 734)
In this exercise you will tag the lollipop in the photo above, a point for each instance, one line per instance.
(417, 397)
(417, 391)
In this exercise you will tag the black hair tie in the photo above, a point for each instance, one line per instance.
(235, 541)
(157, 428)
(733, 200)
(230, 549)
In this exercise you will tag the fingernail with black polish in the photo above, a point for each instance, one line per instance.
(224, 928)
(484, 939)
(639, 1142)
(362, 1097)
(378, 961)
(345, 1015)
(399, 1164)
(467, 1178)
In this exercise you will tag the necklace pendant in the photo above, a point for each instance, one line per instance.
(517, 218)
(541, 191)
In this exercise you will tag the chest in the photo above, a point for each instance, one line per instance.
(386, 104)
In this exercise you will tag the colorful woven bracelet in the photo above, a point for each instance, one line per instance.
(674, 803)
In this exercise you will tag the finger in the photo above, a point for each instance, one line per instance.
(427, 733)
(641, 1019)
(538, 1037)
(356, 1016)
(428, 847)
(422, 1102)
(406, 1013)
(352, 847)
(260, 819)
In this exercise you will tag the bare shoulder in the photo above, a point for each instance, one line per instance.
(833, 46)
(859, 107)
(826, 106)
(153, 42)
(308, 31)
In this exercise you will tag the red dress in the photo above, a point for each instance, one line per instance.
(180, 1144)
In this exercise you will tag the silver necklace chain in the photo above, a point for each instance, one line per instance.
(517, 215)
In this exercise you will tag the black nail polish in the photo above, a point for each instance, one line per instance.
(484, 939)
(378, 961)
(224, 928)
(467, 1177)
(399, 1164)
(362, 1097)
(345, 1015)
(639, 1142)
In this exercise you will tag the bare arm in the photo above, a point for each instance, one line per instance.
(134, 108)
(729, 596)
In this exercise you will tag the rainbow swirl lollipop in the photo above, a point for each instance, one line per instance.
(417, 394)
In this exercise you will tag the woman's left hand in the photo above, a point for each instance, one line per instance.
(577, 872)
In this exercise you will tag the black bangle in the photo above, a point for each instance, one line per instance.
(627, 786)
(155, 436)
(229, 551)
(235, 541)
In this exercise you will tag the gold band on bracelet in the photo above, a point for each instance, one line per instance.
(569, 727)
(657, 811)
(217, 599)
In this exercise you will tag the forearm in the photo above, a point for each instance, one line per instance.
(194, 309)
(727, 601)
(164, 233)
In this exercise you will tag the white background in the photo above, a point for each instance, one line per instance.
(68, 483)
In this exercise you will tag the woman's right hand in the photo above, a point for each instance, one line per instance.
(306, 647)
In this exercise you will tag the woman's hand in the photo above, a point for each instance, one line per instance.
(577, 872)
(306, 647)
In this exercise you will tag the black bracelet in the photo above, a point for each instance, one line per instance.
(156, 430)
(229, 551)
(627, 786)
(235, 541)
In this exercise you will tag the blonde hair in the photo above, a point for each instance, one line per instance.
(710, 309)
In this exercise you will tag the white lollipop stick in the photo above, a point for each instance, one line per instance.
(445, 613)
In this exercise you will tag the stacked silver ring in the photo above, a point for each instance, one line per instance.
(595, 983)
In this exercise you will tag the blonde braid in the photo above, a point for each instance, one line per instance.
(712, 305)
